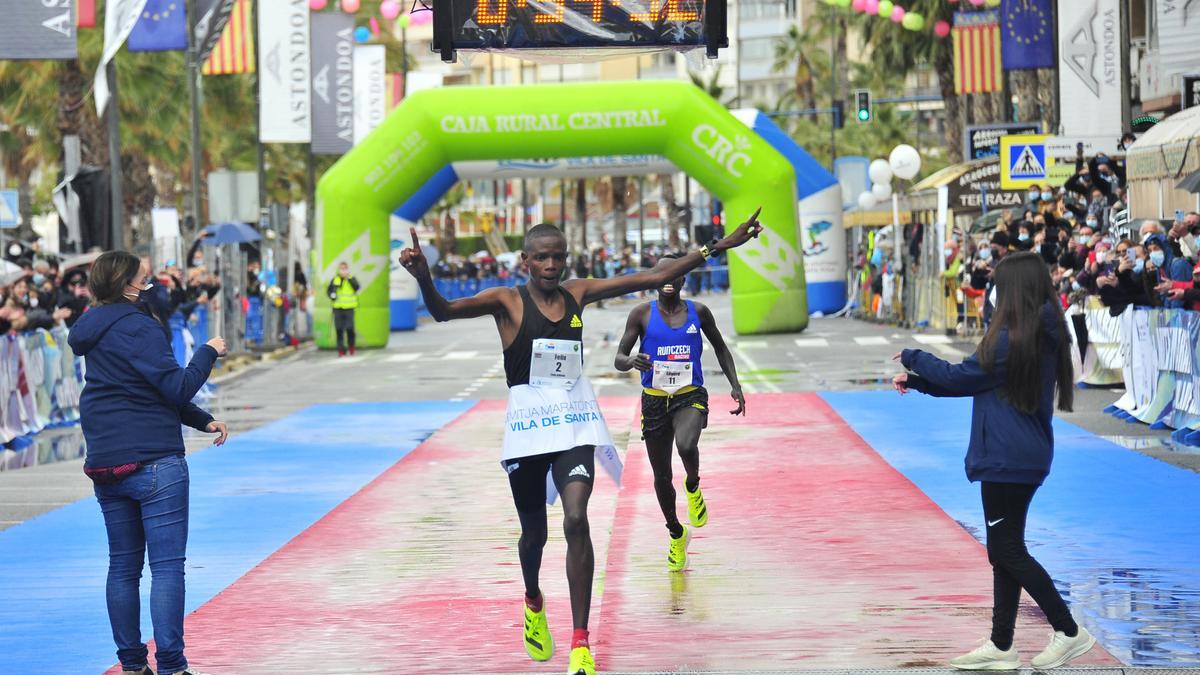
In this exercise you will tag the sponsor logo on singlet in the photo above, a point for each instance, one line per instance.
(675, 352)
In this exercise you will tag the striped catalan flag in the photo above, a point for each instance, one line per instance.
(976, 44)
(234, 52)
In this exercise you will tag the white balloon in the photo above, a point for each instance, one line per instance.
(881, 191)
(905, 161)
(880, 171)
(866, 200)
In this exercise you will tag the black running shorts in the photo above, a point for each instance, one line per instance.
(527, 475)
(658, 411)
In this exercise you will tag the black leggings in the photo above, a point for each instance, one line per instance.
(343, 324)
(1005, 507)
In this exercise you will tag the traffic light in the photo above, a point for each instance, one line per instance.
(862, 105)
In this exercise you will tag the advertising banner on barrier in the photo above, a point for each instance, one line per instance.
(283, 84)
(370, 95)
(332, 83)
(37, 30)
(1091, 67)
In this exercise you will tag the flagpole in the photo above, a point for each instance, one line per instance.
(114, 159)
(193, 74)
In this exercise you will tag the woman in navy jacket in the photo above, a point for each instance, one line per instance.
(1022, 362)
(134, 400)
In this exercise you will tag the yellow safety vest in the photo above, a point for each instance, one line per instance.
(347, 297)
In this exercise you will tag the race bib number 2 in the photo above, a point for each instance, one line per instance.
(556, 363)
(671, 376)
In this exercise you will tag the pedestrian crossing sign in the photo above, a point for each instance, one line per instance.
(1024, 161)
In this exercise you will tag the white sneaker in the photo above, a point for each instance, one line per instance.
(987, 656)
(1063, 649)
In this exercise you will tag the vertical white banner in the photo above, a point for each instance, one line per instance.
(370, 97)
(119, 18)
(1091, 69)
(284, 84)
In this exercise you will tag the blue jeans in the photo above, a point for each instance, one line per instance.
(148, 511)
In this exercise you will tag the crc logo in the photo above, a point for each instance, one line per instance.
(730, 154)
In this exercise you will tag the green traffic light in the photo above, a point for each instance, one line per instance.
(864, 114)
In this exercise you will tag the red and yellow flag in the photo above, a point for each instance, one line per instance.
(234, 53)
(976, 44)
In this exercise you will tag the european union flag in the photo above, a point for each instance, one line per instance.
(1026, 34)
(162, 27)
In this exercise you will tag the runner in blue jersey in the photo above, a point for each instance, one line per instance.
(674, 400)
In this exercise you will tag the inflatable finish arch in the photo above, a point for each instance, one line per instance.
(433, 128)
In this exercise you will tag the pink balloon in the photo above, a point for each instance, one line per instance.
(897, 14)
(941, 29)
(317, 5)
(350, 6)
(389, 9)
(872, 7)
(859, 5)
(977, 3)
(374, 26)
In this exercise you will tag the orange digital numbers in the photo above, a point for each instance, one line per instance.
(484, 15)
(648, 16)
(556, 17)
(670, 10)
(675, 13)
(597, 9)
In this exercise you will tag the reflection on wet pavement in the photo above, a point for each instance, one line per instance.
(46, 447)
(1144, 443)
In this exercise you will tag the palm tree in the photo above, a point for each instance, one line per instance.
(801, 50)
(901, 51)
(711, 86)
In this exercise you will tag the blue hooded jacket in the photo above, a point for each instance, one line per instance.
(1007, 445)
(135, 395)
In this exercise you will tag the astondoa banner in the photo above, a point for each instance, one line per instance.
(332, 83)
(1091, 64)
(438, 127)
(370, 89)
(37, 29)
(283, 84)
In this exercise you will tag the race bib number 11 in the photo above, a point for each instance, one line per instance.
(556, 363)
(671, 376)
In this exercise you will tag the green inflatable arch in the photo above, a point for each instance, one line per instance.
(432, 128)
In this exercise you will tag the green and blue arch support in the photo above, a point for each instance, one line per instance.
(412, 150)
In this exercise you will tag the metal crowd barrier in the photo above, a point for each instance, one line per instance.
(1154, 353)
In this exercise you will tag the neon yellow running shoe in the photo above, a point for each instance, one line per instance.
(697, 509)
(581, 662)
(677, 557)
(539, 642)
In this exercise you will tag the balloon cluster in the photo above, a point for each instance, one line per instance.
(914, 21)
(904, 163)
(388, 9)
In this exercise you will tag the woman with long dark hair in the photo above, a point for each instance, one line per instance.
(134, 400)
(1022, 363)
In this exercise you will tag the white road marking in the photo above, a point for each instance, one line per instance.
(460, 356)
(750, 388)
(871, 341)
(403, 358)
(932, 339)
(812, 342)
(752, 344)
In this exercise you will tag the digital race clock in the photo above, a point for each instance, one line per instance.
(566, 24)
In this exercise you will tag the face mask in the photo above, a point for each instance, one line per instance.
(1024, 236)
(1037, 248)
(985, 254)
(1157, 257)
(948, 252)
(1091, 222)
(1047, 196)
(38, 279)
(1083, 239)
(1139, 265)
(1033, 196)
(1075, 286)
(1101, 257)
